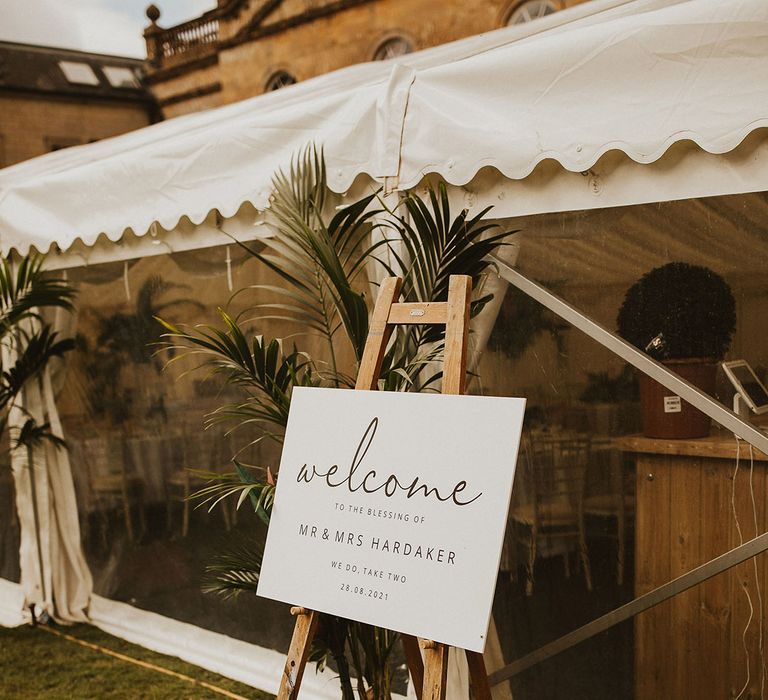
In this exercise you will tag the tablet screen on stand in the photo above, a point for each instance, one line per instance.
(747, 385)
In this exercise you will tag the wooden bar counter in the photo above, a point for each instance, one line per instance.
(691, 646)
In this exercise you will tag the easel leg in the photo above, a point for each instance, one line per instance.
(478, 677)
(435, 669)
(414, 662)
(298, 652)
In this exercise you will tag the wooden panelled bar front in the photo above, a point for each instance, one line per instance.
(691, 646)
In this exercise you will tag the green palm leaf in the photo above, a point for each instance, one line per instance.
(265, 372)
(36, 351)
(33, 435)
(29, 289)
(437, 245)
(234, 570)
(321, 261)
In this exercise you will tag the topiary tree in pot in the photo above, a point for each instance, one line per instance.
(684, 316)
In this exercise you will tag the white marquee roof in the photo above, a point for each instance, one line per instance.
(634, 76)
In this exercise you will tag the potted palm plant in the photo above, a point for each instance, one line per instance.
(322, 257)
(684, 316)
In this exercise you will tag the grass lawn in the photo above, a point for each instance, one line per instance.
(37, 664)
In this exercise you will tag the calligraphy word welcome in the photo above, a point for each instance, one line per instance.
(371, 483)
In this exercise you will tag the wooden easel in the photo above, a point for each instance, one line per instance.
(430, 675)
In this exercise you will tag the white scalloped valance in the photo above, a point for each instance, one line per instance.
(637, 84)
(635, 77)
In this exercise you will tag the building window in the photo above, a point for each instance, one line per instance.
(392, 48)
(78, 73)
(279, 79)
(121, 77)
(530, 10)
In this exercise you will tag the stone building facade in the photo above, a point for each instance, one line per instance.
(243, 48)
(54, 98)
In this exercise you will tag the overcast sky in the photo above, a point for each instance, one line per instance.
(100, 26)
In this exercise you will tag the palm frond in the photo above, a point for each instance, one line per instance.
(235, 569)
(320, 261)
(260, 367)
(37, 350)
(436, 246)
(240, 483)
(33, 435)
(439, 246)
(29, 289)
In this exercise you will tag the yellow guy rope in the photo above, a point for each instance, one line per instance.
(143, 664)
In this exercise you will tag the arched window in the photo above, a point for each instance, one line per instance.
(530, 10)
(392, 48)
(279, 79)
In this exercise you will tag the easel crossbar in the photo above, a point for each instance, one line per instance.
(418, 313)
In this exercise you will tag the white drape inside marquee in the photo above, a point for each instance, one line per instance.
(54, 574)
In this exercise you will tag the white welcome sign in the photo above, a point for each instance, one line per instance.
(391, 509)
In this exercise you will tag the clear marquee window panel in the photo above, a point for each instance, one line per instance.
(133, 427)
(579, 473)
(138, 441)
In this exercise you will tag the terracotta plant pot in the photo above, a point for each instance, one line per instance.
(666, 415)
